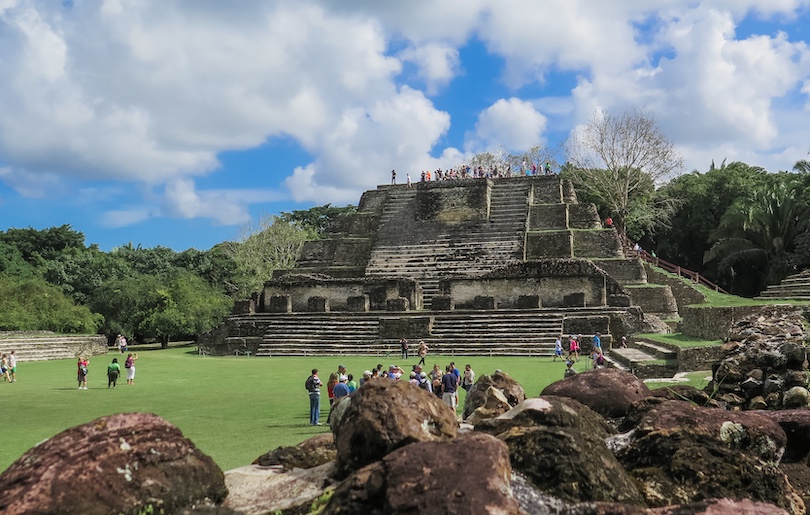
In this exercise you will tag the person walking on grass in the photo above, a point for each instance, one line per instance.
(83, 369)
(4, 368)
(113, 371)
(403, 348)
(422, 350)
(12, 364)
(129, 364)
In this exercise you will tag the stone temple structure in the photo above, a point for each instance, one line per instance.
(477, 266)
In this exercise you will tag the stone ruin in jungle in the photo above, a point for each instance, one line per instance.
(475, 266)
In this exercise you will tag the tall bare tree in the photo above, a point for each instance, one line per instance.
(617, 157)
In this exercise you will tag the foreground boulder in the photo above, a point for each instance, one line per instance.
(477, 397)
(608, 391)
(310, 453)
(382, 416)
(558, 444)
(125, 463)
(680, 453)
(469, 474)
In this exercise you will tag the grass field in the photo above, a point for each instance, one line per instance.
(234, 409)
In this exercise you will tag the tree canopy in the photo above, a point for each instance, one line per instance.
(618, 159)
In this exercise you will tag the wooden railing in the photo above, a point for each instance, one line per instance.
(695, 277)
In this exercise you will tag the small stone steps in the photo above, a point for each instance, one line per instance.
(645, 359)
(792, 287)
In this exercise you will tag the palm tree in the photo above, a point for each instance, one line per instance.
(755, 238)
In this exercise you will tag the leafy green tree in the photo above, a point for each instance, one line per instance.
(316, 219)
(757, 235)
(38, 245)
(33, 304)
(12, 263)
(216, 266)
(180, 304)
(617, 158)
(703, 200)
(272, 244)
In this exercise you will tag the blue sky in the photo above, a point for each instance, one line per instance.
(178, 123)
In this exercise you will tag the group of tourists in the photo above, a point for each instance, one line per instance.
(444, 384)
(469, 172)
(113, 371)
(8, 367)
(575, 349)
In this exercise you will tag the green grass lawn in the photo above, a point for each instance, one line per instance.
(680, 339)
(234, 409)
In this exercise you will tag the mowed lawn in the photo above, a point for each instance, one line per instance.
(232, 408)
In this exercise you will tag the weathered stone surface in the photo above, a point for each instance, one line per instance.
(607, 391)
(495, 403)
(750, 432)
(765, 357)
(477, 396)
(680, 452)
(796, 397)
(559, 445)
(384, 415)
(469, 474)
(121, 463)
(796, 425)
(255, 489)
(799, 476)
(310, 453)
(684, 392)
(721, 507)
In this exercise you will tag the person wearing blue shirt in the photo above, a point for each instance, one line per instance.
(597, 342)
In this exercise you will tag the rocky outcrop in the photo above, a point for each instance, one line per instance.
(559, 445)
(310, 453)
(469, 474)
(765, 361)
(679, 452)
(125, 463)
(382, 416)
(501, 381)
(608, 391)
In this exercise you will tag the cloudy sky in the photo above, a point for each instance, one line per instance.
(176, 122)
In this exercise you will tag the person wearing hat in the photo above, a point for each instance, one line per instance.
(425, 383)
(624, 342)
(569, 369)
(366, 376)
(342, 388)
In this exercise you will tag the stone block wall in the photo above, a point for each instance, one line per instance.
(684, 293)
(354, 252)
(549, 244)
(624, 270)
(357, 224)
(372, 201)
(714, 323)
(544, 217)
(509, 293)
(415, 327)
(546, 191)
(452, 203)
(583, 216)
(654, 298)
(293, 293)
(596, 243)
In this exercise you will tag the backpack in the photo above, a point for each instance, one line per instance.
(310, 383)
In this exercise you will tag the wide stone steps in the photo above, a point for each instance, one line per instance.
(507, 333)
